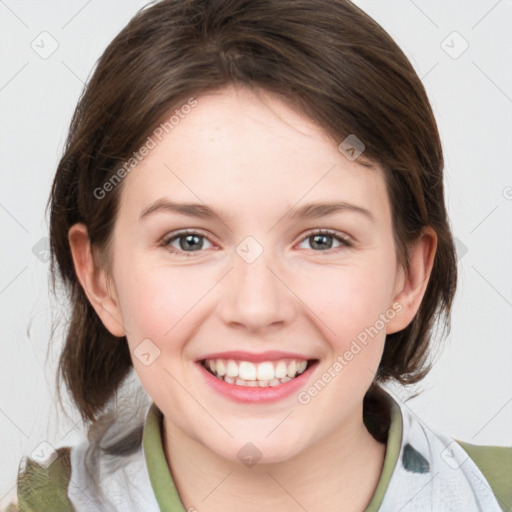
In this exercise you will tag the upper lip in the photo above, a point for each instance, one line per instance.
(270, 355)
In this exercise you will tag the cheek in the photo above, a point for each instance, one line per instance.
(157, 305)
(159, 302)
(349, 298)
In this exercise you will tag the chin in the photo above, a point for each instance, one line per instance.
(250, 449)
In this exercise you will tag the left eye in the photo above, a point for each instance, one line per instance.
(321, 237)
(191, 241)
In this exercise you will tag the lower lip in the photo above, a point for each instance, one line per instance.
(247, 394)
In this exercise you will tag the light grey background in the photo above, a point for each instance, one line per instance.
(468, 395)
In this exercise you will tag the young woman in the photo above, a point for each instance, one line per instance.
(249, 214)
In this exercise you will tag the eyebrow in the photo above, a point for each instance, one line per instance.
(203, 211)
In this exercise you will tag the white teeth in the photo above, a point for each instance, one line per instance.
(265, 371)
(232, 369)
(246, 373)
(281, 370)
(248, 383)
(220, 368)
(292, 369)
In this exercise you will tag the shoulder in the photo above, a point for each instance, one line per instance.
(495, 463)
(43, 485)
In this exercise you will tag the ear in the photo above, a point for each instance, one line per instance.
(410, 286)
(95, 281)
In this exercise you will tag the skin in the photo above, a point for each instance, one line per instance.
(254, 158)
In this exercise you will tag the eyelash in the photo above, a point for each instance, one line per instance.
(344, 240)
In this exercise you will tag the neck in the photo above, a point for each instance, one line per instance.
(344, 467)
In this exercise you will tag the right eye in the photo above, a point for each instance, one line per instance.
(188, 242)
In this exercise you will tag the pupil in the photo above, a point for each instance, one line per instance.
(190, 241)
(322, 238)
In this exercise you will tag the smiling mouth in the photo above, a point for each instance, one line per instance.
(264, 374)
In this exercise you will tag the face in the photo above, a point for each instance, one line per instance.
(258, 289)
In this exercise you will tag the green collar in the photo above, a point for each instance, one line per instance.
(392, 452)
(167, 495)
(165, 491)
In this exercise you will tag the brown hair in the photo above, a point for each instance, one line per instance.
(327, 59)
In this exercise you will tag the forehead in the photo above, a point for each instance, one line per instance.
(246, 149)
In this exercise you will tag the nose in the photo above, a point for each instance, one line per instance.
(255, 295)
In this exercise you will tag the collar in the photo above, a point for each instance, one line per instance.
(160, 477)
(167, 495)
